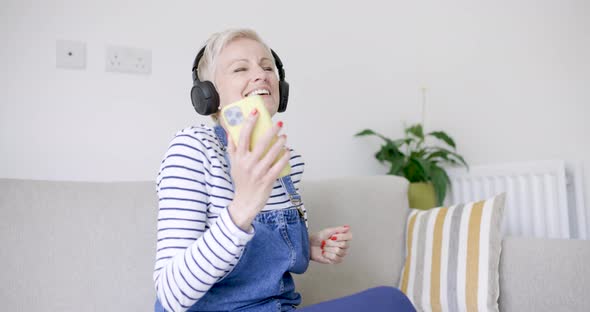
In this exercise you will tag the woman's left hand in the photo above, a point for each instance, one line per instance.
(330, 245)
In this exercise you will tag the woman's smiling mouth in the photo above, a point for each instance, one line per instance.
(258, 92)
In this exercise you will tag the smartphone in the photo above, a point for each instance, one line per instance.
(236, 113)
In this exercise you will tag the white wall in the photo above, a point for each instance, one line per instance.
(507, 79)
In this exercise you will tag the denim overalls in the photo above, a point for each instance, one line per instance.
(261, 281)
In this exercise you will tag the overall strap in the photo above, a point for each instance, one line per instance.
(295, 198)
(220, 133)
(222, 136)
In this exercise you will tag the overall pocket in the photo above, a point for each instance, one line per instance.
(300, 239)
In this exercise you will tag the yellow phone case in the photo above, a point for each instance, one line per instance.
(234, 115)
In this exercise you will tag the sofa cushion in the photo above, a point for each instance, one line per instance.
(376, 209)
(452, 257)
(544, 275)
(77, 246)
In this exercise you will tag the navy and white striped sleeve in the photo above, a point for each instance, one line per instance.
(297, 166)
(190, 257)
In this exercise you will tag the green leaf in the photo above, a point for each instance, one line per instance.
(444, 137)
(371, 132)
(415, 170)
(380, 155)
(396, 167)
(440, 181)
(418, 154)
(388, 152)
(411, 173)
(366, 132)
(461, 160)
(447, 155)
(442, 157)
(438, 155)
(401, 142)
(425, 164)
(416, 130)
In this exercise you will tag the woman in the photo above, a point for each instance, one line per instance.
(230, 233)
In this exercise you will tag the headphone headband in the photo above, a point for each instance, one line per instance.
(199, 56)
(196, 64)
(279, 65)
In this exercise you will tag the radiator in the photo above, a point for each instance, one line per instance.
(543, 198)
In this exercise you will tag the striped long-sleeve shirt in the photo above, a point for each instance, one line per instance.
(198, 243)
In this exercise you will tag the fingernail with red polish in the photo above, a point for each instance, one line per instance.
(280, 124)
(333, 238)
(323, 244)
(254, 112)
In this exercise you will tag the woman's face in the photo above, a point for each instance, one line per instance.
(245, 67)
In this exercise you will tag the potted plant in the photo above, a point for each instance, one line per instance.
(421, 163)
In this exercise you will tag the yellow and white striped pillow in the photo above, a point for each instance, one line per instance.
(453, 255)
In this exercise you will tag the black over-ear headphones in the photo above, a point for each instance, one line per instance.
(206, 99)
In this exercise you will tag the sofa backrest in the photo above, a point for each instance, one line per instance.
(376, 209)
(86, 246)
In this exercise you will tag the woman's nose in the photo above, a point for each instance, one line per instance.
(259, 74)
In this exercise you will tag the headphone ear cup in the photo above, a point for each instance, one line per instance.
(284, 95)
(205, 98)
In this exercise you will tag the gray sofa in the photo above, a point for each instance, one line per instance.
(81, 246)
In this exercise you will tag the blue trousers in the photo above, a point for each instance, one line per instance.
(378, 299)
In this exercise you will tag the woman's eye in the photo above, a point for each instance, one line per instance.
(239, 69)
(268, 69)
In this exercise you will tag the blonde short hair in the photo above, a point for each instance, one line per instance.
(216, 43)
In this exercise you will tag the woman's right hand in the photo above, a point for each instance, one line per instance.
(253, 175)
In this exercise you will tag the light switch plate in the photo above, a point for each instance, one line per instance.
(70, 54)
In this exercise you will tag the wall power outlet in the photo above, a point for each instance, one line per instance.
(128, 60)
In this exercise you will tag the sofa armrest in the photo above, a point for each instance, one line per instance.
(544, 275)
